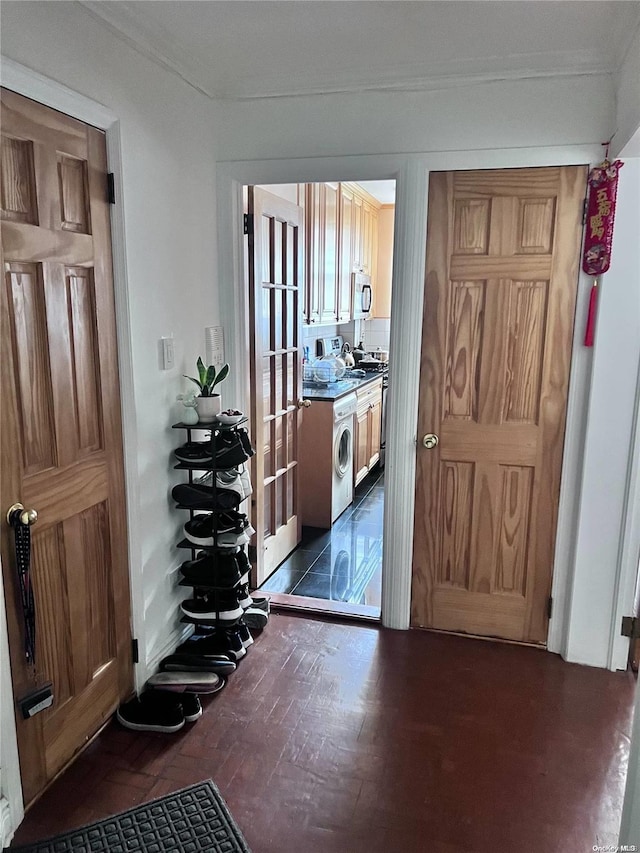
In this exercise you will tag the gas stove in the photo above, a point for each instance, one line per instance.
(381, 367)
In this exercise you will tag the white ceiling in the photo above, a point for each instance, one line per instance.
(384, 191)
(260, 48)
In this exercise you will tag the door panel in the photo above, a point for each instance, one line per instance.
(60, 431)
(502, 265)
(275, 294)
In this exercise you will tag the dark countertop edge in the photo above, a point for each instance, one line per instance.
(318, 396)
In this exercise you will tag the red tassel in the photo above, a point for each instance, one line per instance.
(589, 333)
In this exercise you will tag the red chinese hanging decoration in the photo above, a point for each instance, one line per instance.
(601, 210)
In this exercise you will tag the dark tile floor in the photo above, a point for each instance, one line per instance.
(343, 738)
(344, 563)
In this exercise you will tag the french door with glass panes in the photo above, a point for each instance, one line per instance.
(275, 294)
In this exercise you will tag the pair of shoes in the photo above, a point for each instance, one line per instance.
(183, 681)
(232, 642)
(213, 570)
(230, 450)
(159, 711)
(257, 614)
(197, 496)
(237, 479)
(219, 606)
(248, 600)
(219, 664)
(205, 530)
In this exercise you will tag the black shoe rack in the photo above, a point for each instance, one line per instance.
(214, 590)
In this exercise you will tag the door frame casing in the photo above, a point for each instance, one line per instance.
(45, 91)
(411, 174)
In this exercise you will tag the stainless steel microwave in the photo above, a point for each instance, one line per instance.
(362, 295)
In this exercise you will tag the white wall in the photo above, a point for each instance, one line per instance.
(610, 416)
(508, 114)
(169, 211)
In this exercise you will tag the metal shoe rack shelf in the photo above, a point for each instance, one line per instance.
(202, 590)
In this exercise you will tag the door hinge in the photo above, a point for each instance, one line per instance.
(585, 207)
(630, 627)
(549, 607)
(111, 188)
(135, 655)
(248, 223)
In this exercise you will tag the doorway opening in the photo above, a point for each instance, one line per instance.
(319, 271)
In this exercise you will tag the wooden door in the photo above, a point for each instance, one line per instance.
(275, 289)
(61, 433)
(502, 265)
(329, 312)
(345, 260)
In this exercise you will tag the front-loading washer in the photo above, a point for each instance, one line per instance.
(344, 411)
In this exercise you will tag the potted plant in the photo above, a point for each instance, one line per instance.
(208, 402)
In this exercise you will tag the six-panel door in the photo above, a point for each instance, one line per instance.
(500, 286)
(61, 431)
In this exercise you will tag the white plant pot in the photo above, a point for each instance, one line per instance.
(208, 408)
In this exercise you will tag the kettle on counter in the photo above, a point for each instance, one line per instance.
(347, 355)
(359, 352)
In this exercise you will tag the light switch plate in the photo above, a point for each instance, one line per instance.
(168, 353)
(214, 339)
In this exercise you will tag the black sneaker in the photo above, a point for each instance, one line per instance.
(243, 561)
(195, 451)
(256, 619)
(220, 606)
(220, 664)
(218, 642)
(230, 450)
(200, 530)
(153, 711)
(245, 441)
(245, 635)
(194, 496)
(191, 707)
(244, 599)
(212, 570)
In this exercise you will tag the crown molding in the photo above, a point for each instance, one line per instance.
(125, 20)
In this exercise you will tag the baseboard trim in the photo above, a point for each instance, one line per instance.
(6, 825)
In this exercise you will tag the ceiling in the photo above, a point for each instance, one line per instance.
(258, 48)
(384, 191)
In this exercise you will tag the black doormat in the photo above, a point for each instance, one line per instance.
(193, 820)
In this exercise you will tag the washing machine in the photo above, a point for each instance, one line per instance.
(344, 412)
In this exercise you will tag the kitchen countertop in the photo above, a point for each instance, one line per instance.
(334, 390)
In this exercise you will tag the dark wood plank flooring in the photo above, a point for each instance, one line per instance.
(337, 737)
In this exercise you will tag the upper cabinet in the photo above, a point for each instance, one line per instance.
(341, 226)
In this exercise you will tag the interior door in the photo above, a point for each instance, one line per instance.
(275, 294)
(60, 432)
(502, 265)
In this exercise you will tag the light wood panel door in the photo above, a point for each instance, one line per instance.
(345, 261)
(500, 288)
(329, 312)
(61, 433)
(275, 293)
(314, 227)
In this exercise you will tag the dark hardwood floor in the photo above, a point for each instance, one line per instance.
(352, 739)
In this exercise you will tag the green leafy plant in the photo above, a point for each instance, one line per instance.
(208, 378)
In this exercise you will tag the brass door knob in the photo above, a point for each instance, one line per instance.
(19, 513)
(304, 404)
(430, 440)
